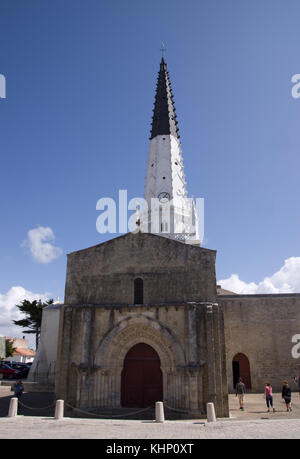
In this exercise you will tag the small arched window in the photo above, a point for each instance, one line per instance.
(138, 291)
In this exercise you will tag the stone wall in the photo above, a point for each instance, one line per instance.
(264, 328)
(179, 319)
(171, 271)
(188, 338)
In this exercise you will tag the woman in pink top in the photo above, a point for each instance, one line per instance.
(269, 396)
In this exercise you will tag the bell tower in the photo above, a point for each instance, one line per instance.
(170, 212)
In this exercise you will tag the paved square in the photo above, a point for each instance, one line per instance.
(249, 424)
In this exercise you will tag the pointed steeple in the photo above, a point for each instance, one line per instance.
(164, 120)
(169, 212)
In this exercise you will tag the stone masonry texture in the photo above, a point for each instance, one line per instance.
(179, 318)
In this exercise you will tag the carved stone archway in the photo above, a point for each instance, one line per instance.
(111, 352)
(139, 328)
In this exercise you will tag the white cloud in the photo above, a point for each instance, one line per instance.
(9, 311)
(39, 242)
(286, 280)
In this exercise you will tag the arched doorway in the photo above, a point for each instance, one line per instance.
(141, 380)
(241, 369)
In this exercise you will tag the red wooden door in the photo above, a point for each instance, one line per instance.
(141, 381)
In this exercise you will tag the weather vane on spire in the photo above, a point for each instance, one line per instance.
(163, 49)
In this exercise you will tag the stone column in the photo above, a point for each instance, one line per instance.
(193, 367)
(193, 377)
(62, 360)
(212, 390)
(192, 335)
(222, 408)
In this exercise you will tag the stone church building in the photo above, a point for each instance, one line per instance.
(143, 319)
(140, 324)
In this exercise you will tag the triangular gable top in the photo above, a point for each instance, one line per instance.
(164, 240)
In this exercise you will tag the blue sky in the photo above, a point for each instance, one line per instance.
(75, 124)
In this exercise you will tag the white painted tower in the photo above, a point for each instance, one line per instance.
(172, 214)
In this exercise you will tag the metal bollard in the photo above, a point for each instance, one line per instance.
(59, 409)
(159, 412)
(211, 415)
(13, 407)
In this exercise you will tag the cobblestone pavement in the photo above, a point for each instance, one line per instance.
(255, 407)
(251, 423)
(72, 428)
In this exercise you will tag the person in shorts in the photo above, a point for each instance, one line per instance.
(240, 390)
(287, 395)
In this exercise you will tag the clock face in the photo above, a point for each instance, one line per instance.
(164, 196)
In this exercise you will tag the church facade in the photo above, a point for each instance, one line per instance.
(140, 324)
(143, 319)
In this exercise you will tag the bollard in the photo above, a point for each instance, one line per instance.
(159, 412)
(211, 415)
(13, 407)
(59, 409)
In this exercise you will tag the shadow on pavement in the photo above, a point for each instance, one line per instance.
(36, 404)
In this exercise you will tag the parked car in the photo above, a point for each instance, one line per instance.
(7, 372)
(22, 367)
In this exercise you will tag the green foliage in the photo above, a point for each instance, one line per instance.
(33, 316)
(9, 348)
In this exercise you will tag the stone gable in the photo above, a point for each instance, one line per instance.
(171, 271)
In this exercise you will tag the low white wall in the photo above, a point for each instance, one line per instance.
(43, 368)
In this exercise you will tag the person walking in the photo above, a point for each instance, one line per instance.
(297, 382)
(287, 395)
(18, 389)
(269, 396)
(240, 390)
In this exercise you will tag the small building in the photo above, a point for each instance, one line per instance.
(22, 352)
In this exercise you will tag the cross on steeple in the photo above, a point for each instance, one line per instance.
(163, 49)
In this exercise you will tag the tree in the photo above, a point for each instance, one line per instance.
(33, 317)
(9, 348)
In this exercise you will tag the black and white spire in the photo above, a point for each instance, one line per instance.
(164, 114)
(165, 173)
